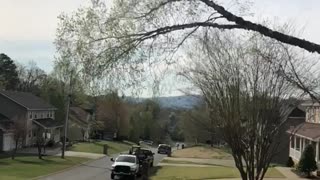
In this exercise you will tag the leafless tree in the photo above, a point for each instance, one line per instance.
(247, 96)
(31, 77)
(40, 141)
(19, 134)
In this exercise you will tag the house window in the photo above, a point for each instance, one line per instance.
(35, 116)
(312, 114)
(30, 115)
(48, 115)
(298, 143)
(292, 142)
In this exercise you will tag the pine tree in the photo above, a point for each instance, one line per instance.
(307, 162)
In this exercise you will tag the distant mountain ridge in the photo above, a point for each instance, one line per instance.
(172, 102)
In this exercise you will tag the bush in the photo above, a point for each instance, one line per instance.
(307, 162)
(290, 162)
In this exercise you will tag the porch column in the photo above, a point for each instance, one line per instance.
(303, 144)
(301, 150)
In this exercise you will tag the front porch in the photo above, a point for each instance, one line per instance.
(301, 136)
(297, 145)
(50, 129)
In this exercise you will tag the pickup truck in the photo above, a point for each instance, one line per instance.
(125, 166)
(144, 155)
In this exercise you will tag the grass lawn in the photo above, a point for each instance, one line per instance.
(27, 167)
(97, 147)
(202, 152)
(185, 162)
(199, 173)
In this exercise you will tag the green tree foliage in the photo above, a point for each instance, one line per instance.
(145, 122)
(9, 79)
(307, 162)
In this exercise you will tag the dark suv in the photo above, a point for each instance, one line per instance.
(164, 149)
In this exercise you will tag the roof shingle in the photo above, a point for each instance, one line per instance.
(27, 100)
(48, 123)
(310, 130)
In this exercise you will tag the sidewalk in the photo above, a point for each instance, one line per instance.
(82, 154)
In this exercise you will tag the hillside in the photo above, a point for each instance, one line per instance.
(172, 102)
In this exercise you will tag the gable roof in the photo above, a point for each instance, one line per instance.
(27, 100)
(48, 123)
(79, 114)
(309, 130)
(5, 122)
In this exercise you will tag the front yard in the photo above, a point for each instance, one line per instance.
(114, 147)
(202, 152)
(201, 162)
(192, 173)
(28, 167)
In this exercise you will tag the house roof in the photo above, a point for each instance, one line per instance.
(309, 130)
(3, 117)
(79, 114)
(27, 100)
(48, 123)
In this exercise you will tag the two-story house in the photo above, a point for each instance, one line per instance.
(31, 111)
(306, 133)
(79, 123)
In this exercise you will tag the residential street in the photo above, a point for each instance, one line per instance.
(94, 170)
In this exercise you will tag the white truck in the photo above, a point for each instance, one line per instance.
(125, 165)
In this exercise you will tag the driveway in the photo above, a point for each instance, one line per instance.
(95, 170)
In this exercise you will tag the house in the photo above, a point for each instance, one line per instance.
(79, 123)
(6, 134)
(296, 115)
(31, 111)
(308, 132)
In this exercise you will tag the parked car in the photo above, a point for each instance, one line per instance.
(147, 142)
(125, 166)
(164, 149)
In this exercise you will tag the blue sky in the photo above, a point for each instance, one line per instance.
(28, 26)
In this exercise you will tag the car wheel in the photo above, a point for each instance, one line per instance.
(112, 176)
(133, 177)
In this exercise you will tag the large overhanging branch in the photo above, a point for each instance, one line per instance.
(167, 29)
(304, 44)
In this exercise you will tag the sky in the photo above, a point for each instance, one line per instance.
(28, 27)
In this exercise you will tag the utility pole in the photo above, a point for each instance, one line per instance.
(65, 127)
(67, 118)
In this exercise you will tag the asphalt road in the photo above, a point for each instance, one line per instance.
(94, 170)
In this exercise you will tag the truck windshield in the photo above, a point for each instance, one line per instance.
(126, 159)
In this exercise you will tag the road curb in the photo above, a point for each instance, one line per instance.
(67, 169)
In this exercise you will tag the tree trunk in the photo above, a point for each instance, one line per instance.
(14, 151)
(39, 151)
